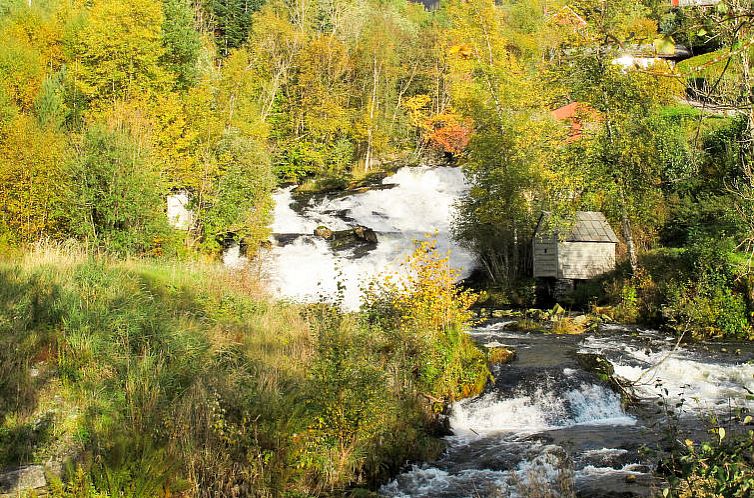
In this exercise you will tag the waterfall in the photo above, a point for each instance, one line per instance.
(413, 203)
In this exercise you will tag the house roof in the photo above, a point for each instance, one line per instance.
(591, 226)
(574, 110)
(575, 113)
(588, 226)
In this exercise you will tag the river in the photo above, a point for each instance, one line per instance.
(545, 427)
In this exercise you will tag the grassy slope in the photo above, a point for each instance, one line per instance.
(162, 376)
(98, 354)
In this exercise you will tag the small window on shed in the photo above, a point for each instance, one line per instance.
(545, 251)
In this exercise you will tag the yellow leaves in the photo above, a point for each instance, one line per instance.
(31, 178)
(175, 141)
(324, 67)
(427, 298)
(21, 72)
(418, 109)
(417, 102)
(463, 50)
(117, 51)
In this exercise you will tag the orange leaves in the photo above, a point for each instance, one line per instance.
(446, 131)
(449, 132)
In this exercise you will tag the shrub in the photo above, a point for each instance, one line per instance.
(116, 202)
(155, 380)
(721, 466)
(703, 299)
(425, 316)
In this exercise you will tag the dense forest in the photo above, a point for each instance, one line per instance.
(107, 107)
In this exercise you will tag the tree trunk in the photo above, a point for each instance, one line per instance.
(630, 247)
(372, 108)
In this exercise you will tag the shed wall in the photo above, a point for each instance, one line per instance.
(584, 260)
(545, 257)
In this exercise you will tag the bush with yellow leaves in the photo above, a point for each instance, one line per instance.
(425, 315)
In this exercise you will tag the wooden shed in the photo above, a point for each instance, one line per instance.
(587, 251)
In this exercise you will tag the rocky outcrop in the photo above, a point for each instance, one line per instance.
(21, 479)
(500, 355)
(602, 368)
(366, 234)
(347, 239)
(324, 232)
(596, 364)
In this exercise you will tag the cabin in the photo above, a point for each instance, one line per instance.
(693, 3)
(586, 252)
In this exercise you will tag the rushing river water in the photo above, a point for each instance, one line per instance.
(411, 204)
(548, 424)
(545, 424)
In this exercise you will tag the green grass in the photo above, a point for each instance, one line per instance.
(153, 377)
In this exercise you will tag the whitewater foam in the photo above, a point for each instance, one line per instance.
(704, 384)
(420, 203)
(537, 411)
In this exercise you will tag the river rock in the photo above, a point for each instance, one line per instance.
(324, 232)
(15, 481)
(352, 238)
(500, 355)
(366, 234)
(602, 368)
(596, 364)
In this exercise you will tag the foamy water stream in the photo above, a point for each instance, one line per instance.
(420, 202)
(546, 424)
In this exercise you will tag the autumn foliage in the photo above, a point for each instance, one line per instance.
(448, 132)
(428, 315)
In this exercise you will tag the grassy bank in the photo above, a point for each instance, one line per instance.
(150, 378)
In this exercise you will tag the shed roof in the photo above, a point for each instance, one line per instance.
(588, 226)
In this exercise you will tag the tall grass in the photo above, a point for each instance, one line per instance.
(151, 378)
(139, 366)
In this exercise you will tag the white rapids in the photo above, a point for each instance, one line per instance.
(421, 203)
(704, 385)
(545, 427)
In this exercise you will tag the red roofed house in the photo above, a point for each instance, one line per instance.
(693, 3)
(579, 114)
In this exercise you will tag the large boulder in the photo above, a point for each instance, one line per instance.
(17, 480)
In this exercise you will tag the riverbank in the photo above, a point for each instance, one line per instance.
(145, 377)
(704, 291)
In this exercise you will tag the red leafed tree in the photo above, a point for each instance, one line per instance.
(448, 132)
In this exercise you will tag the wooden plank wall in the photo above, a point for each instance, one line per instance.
(585, 260)
(545, 257)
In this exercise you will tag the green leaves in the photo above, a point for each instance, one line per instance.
(181, 41)
(664, 45)
(116, 200)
